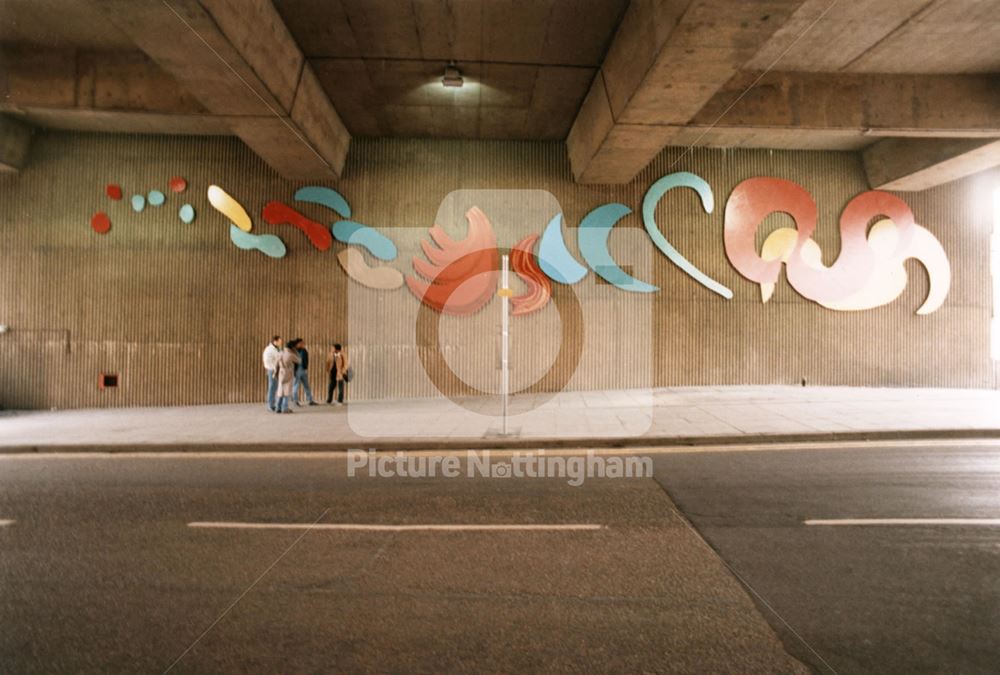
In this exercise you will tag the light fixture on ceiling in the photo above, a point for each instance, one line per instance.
(452, 76)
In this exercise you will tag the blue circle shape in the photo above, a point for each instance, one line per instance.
(138, 203)
(156, 198)
(186, 214)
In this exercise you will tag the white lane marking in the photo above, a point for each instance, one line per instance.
(5, 523)
(399, 528)
(905, 521)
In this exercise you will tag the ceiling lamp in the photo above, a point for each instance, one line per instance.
(452, 76)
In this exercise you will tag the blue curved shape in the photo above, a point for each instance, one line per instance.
(554, 258)
(593, 239)
(328, 197)
(649, 202)
(367, 237)
(268, 244)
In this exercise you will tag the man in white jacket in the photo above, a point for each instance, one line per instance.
(271, 354)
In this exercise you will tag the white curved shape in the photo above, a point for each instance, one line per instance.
(379, 278)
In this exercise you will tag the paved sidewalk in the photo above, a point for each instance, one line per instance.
(660, 416)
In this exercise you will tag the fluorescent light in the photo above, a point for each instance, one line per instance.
(452, 76)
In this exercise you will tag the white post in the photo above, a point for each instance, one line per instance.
(505, 293)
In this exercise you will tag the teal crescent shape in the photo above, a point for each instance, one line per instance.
(649, 202)
(592, 236)
(268, 244)
(555, 259)
(328, 197)
(367, 237)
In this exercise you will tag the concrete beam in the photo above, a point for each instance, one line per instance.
(15, 142)
(239, 60)
(909, 164)
(103, 91)
(666, 61)
(881, 105)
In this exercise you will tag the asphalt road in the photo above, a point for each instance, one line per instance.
(101, 571)
(867, 599)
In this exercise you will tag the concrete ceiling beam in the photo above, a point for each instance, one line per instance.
(15, 144)
(239, 60)
(666, 61)
(884, 105)
(910, 164)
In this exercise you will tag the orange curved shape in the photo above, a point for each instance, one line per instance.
(462, 275)
(754, 199)
(526, 267)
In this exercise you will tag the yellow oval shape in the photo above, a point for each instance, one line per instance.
(229, 207)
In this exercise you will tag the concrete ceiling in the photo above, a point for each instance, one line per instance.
(617, 80)
(527, 65)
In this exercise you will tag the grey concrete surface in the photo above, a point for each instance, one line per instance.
(599, 417)
(100, 573)
(890, 599)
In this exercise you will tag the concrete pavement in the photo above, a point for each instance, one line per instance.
(660, 416)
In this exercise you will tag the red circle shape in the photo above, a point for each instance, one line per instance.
(100, 223)
(178, 184)
(114, 191)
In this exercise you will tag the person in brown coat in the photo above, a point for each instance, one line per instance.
(285, 374)
(337, 364)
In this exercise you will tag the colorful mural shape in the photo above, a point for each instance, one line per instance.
(592, 236)
(331, 199)
(459, 277)
(186, 214)
(268, 244)
(462, 275)
(100, 223)
(526, 267)
(649, 202)
(868, 270)
(350, 232)
(555, 259)
(888, 280)
(756, 198)
(379, 278)
(229, 207)
(277, 213)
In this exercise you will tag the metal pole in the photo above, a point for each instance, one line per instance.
(505, 294)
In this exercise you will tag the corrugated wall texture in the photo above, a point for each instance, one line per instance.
(182, 315)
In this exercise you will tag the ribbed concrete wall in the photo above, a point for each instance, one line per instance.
(182, 314)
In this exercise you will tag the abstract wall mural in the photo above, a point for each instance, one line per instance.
(277, 213)
(525, 265)
(459, 276)
(868, 271)
(268, 244)
(100, 222)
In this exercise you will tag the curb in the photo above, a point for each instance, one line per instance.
(515, 443)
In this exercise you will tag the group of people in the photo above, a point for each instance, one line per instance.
(287, 367)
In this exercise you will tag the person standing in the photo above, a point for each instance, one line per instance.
(271, 353)
(287, 360)
(337, 364)
(302, 374)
